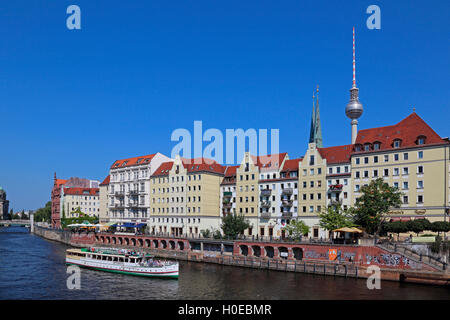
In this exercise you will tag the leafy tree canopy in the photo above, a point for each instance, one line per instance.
(234, 225)
(375, 202)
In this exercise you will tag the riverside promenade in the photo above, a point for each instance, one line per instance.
(317, 258)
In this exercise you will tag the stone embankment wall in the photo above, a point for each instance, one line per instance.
(294, 257)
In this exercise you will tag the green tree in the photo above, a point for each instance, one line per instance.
(334, 217)
(396, 227)
(375, 202)
(297, 229)
(234, 225)
(440, 226)
(44, 214)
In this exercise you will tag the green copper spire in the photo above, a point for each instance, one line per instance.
(316, 129)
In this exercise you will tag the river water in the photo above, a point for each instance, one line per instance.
(34, 268)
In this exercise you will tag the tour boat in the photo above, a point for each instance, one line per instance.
(122, 261)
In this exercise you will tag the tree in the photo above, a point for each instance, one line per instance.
(234, 225)
(375, 202)
(297, 229)
(334, 217)
(440, 226)
(44, 214)
(396, 227)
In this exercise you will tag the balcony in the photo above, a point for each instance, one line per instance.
(265, 214)
(286, 214)
(227, 194)
(265, 204)
(286, 203)
(266, 192)
(335, 201)
(287, 191)
(119, 206)
(119, 193)
(335, 187)
(227, 204)
(133, 192)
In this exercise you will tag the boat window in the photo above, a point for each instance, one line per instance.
(121, 259)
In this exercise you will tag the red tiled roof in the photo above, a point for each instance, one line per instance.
(59, 182)
(163, 169)
(338, 154)
(132, 161)
(106, 181)
(81, 191)
(203, 164)
(291, 165)
(270, 161)
(230, 171)
(407, 130)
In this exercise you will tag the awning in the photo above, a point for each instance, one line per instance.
(347, 229)
(128, 225)
(140, 225)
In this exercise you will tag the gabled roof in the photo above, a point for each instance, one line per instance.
(202, 165)
(132, 161)
(230, 171)
(163, 169)
(338, 154)
(106, 181)
(81, 191)
(407, 130)
(291, 165)
(270, 161)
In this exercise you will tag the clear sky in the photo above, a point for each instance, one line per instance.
(73, 101)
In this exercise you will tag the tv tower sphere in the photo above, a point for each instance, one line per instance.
(354, 108)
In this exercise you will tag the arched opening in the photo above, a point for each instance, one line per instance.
(172, 244)
(120, 241)
(269, 251)
(97, 238)
(133, 242)
(114, 241)
(298, 253)
(147, 243)
(108, 240)
(181, 245)
(244, 250)
(127, 241)
(283, 252)
(163, 244)
(256, 251)
(155, 244)
(140, 242)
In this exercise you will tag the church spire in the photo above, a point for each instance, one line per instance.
(318, 127)
(315, 134)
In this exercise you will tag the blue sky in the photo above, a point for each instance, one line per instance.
(73, 101)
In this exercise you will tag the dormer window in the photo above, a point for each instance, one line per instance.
(357, 147)
(376, 146)
(420, 140)
(367, 147)
(397, 143)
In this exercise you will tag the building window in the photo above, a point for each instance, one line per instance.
(357, 174)
(375, 159)
(397, 143)
(405, 171)
(386, 172)
(420, 184)
(405, 156)
(405, 185)
(396, 157)
(366, 160)
(420, 154)
(420, 169)
(420, 199)
(357, 161)
(405, 199)
(386, 158)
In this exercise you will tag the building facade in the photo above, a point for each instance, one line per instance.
(4, 205)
